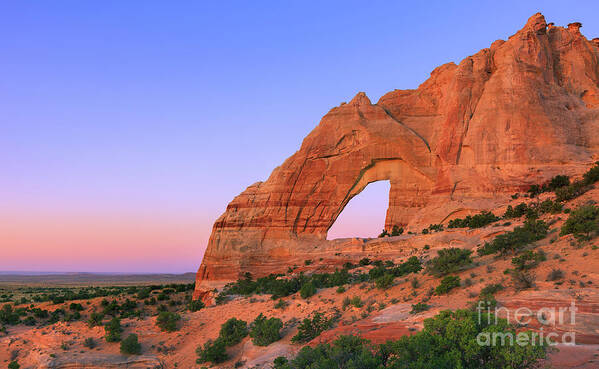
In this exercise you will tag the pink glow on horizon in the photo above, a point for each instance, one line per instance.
(102, 243)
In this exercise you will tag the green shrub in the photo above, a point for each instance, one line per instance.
(447, 284)
(340, 289)
(265, 331)
(233, 331)
(280, 362)
(592, 175)
(312, 328)
(384, 233)
(8, 316)
(449, 260)
(516, 212)
(95, 320)
(213, 351)
(419, 307)
(522, 280)
(384, 281)
(281, 304)
(510, 242)
(396, 231)
(167, 321)
(528, 260)
(195, 305)
(449, 340)
(113, 330)
(89, 343)
(571, 192)
(307, 290)
(559, 181)
(582, 222)
(130, 345)
(14, 365)
(477, 221)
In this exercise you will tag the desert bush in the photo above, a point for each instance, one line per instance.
(89, 342)
(312, 328)
(396, 231)
(582, 222)
(14, 365)
(113, 330)
(8, 316)
(130, 345)
(384, 233)
(475, 221)
(419, 307)
(449, 340)
(522, 280)
(528, 259)
(555, 274)
(592, 175)
(447, 284)
(95, 320)
(212, 351)
(75, 307)
(281, 304)
(558, 182)
(385, 281)
(233, 331)
(265, 331)
(510, 242)
(195, 305)
(449, 260)
(167, 321)
(307, 290)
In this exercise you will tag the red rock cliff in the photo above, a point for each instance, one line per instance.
(508, 116)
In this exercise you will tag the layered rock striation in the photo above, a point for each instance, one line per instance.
(511, 115)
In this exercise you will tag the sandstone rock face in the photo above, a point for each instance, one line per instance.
(511, 115)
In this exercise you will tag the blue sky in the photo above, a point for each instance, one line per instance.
(128, 126)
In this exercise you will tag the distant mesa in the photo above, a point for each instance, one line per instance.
(474, 133)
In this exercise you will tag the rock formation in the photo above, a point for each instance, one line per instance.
(504, 118)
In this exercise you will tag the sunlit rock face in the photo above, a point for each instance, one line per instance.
(514, 114)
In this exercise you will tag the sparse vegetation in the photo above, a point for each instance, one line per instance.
(449, 340)
(131, 345)
(212, 351)
(307, 290)
(89, 342)
(312, 328)
(419, 307)
(510, 242)
(233, 331)
(265, 331)
(522, 280)
(195, 305)
(449, 260)
(583, 222)
(477, 221)
(167, 321)
(528, 259)
(447, 284)
(113, 330)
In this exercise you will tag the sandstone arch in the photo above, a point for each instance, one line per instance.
(511, 115)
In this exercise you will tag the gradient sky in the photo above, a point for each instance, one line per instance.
(126, 127)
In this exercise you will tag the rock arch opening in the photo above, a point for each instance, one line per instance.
(364, 215)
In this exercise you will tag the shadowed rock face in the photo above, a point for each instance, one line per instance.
(511, 115)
